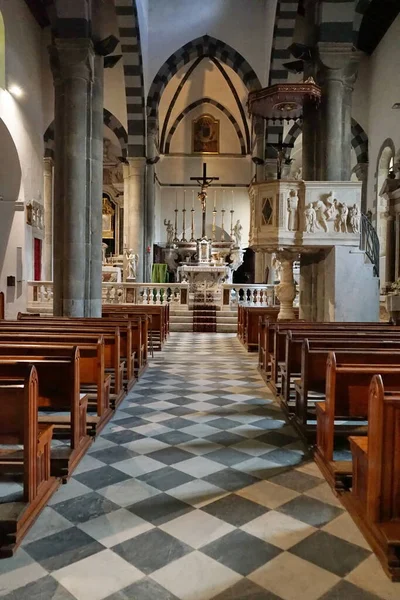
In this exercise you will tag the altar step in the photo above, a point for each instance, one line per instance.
(182, 320)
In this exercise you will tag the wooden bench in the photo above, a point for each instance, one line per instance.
(249, 325)
(348, 377)
(373, 501)
(112, 347)
(2, 306)
(159, 324)
(19, 426)
(64, 406)
(93, 379)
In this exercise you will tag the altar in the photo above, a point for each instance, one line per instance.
(205, 282)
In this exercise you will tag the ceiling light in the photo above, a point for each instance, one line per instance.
(396, 106)
(16, 91)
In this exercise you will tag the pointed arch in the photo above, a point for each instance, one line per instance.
(202, 46)
(194, 105)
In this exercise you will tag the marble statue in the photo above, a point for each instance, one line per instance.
(309, 218)
(103, 251)
(320, 214)
(277, 266)
(292, 206)
(355, 218)
(132, 260)
(170, 232)
(341, 219)
(331, 203)
(237, 232)
(299, 174)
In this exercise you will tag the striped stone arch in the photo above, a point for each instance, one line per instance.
(285, 21)
(360, 9)
(128, 25)
(202, 46)
(109, 120)
(359, 140)
(194, 105)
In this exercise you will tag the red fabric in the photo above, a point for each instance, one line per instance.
(37, 259)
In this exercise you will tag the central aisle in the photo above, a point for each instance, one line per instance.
(198, 489)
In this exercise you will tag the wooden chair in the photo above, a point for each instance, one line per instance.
(374, 501)
(19, 426)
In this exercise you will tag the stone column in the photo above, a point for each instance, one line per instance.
(72, 65)
(286, 290)
(258, 151)
(337, 75)
(260, 265)
(134, 210)
(361, 171)
(94, 243)
(152, 156)
(48, 218)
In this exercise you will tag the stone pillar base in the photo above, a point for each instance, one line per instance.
(286, 290)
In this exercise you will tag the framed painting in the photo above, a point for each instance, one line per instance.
(205, 135)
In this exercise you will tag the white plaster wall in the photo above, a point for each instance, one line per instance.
(384, 91)
(171, 197)
(230, 170)
(23, 118)
(246, 25)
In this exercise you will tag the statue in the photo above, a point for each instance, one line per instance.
(331, 202)
(170, 232)
(132, 260)
(103, 251)
(341, 219)
(237, 232)
(202, 195)
(277, 266)
(310, 219)
(299, 174)
(292, 204)
(355, 218)
(320, 216)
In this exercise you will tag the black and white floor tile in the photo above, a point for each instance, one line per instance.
(197, 490)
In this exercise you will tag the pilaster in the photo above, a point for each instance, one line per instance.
(48, 218)
(134, 172)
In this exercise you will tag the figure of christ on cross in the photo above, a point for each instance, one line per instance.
(204, 182)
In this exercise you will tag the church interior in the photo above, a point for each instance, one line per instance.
(199, 300)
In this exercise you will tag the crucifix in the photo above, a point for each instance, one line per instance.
(280, 148)
(204, 182)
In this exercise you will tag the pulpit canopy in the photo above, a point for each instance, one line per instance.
(284, 101)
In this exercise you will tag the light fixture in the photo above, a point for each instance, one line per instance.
(16, 91)
(396, 106)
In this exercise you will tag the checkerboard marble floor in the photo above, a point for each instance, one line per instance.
(196, 490)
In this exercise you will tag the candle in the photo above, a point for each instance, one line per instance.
(192, 199)
(223, 199)
(233, 195)
(215, 199)
(184, 199)
(176, 200)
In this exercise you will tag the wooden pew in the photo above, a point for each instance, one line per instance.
(112, 347)
(19, 426)
(348, 377)
(93, 379)
(373, 501)
(55, 364)
(159, 324)
(250, 324)
(2, 306)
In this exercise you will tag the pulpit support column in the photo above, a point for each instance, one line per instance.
(286, 290)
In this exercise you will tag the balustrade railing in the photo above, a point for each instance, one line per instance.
(249, 295)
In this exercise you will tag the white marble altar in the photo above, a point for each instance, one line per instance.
(205, 281)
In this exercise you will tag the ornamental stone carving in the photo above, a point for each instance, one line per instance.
(309, 219)
(292, 207)
(355, 218)
(320, 215)
(341, 218)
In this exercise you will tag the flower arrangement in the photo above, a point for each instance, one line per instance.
(395, 287)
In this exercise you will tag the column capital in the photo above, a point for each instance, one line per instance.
(48, 163)
(72, 59)
(134, 167)
(338, 61)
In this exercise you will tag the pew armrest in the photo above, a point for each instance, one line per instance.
(324, 445)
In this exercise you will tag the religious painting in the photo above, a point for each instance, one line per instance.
(205, 135)
(108, 218)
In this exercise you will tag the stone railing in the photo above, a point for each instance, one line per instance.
(40, 294)
(250, 295)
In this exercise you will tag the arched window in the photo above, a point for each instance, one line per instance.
(2, 53)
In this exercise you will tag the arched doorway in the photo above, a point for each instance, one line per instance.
(383, 217)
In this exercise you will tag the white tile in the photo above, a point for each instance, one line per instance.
(139, 465)
(157, 417)
(345, 528)
(268, 494)
(128, 492)
(197, 528)
(145, 445)
(200, 430)
(253, 447)
(18, 577)
(97, 576)
(88, 463)
(163, 397)
(200, 397)
(279, 529)
(200, 406)
(72, 489)
(48, 522)
(292, 578)
(151, 429)
(195, 577)
(258, 467)
(310, 469)
(162, 405)
(199, 446)
(116, 527)
(119, 415)
(324, 493)
(246, 431)
(370, 576)
(198, 493)
(199, 466)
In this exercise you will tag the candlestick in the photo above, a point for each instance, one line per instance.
(223, 225)
(184, 225)
(184, 199)
(223, 199)
(232, 198)
(215, 199)
(176, 200)
(192, 239)
(232, 211)
(214, 224)
(175, 240)
(192, 199)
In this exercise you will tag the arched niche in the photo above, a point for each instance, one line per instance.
(383, 217)
(2, 53)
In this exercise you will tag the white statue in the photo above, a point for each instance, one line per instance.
(103, 251)
(355, 218)
(277, 266)
(237, 232)
(320, 214)
(132, 260)
(299, 174)
(341, 219)
(292, 205)
(331, 203)
(310, 219)
(170, 232)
